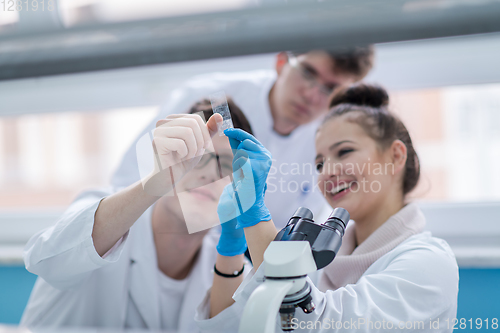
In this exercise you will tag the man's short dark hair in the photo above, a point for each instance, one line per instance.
(355, 61)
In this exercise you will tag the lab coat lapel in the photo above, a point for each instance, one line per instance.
(352, 262)
(200, 280)
(143, 287)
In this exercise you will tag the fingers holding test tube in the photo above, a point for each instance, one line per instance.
(219, 104)
(251, 166)
(178, 143)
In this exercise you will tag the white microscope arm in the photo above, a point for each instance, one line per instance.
(262, 308)
(286, 265)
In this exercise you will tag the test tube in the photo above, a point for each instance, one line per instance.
(219, 105)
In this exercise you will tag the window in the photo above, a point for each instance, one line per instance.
(45, 160)
(456, 132)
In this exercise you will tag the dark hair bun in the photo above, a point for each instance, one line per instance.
(361, 94)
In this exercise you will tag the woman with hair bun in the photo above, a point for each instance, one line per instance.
(389, 273)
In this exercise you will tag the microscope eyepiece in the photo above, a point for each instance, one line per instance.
(304, 213)
(301, 213)
(324, 240)
(338, 219)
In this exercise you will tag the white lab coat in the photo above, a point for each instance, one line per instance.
(292, 177)
(77, 287)
(415, 281)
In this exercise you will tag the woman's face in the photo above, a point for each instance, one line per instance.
(199, 190)
(353, 171)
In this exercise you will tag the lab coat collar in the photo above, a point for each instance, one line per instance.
(144, 276)
(143, 287)
(351, 262)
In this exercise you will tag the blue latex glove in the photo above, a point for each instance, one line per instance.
(251, 165)
(232, 241)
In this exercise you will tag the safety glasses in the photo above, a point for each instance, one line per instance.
(308, 77)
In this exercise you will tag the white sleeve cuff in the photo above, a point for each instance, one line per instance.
(251, 282)
(226, 321)
(113, 253)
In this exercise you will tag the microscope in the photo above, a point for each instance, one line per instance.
(300, 248)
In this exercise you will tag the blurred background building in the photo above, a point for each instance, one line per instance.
(46, 159)
(62, 134)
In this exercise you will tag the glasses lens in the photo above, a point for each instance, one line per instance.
(327, 91)
(226, 164)
(204, 160)
(224, 161)
(308, 77)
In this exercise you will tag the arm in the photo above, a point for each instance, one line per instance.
(178, 140)
(64, 254)
(252, 162)
(117, 213)
(415, 283)
(221, 294)
(251, 165)
(230, 248)
(258, 238)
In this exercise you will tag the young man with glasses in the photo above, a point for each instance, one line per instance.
(283, 107)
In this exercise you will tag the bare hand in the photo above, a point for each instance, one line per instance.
(179, 142)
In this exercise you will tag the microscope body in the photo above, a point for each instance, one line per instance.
(300, 248)
(286, 265)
